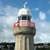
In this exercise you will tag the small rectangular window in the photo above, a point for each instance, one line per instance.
(23, 17)
(19, 18)
(28, 18)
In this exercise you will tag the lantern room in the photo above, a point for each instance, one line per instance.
(24, 18)
(24, 13)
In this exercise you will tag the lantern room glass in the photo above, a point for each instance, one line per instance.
(24, 18)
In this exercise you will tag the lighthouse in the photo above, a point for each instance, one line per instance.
(24, 30)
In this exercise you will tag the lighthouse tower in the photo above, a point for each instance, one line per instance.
(24, 30)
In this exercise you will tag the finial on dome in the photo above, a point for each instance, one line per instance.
(25, 4)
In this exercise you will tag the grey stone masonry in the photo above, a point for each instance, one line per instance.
(24, 30)
(24, 38)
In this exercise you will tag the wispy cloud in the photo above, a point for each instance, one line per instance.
(40, 3)
(36, 9)
(49, 2)
(42, 15)
(0, 3)
(49, 11)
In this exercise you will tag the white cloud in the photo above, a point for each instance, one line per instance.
(42, 31)
(42, 15)
(9, 16)
(36, 9)
(37, 38)
(43, 24)
(45, 37)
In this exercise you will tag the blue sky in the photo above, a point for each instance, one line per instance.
(43, 5)
(40, 10)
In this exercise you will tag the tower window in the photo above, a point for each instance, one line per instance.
(28, 18)
(24, 18)
(19, 18)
